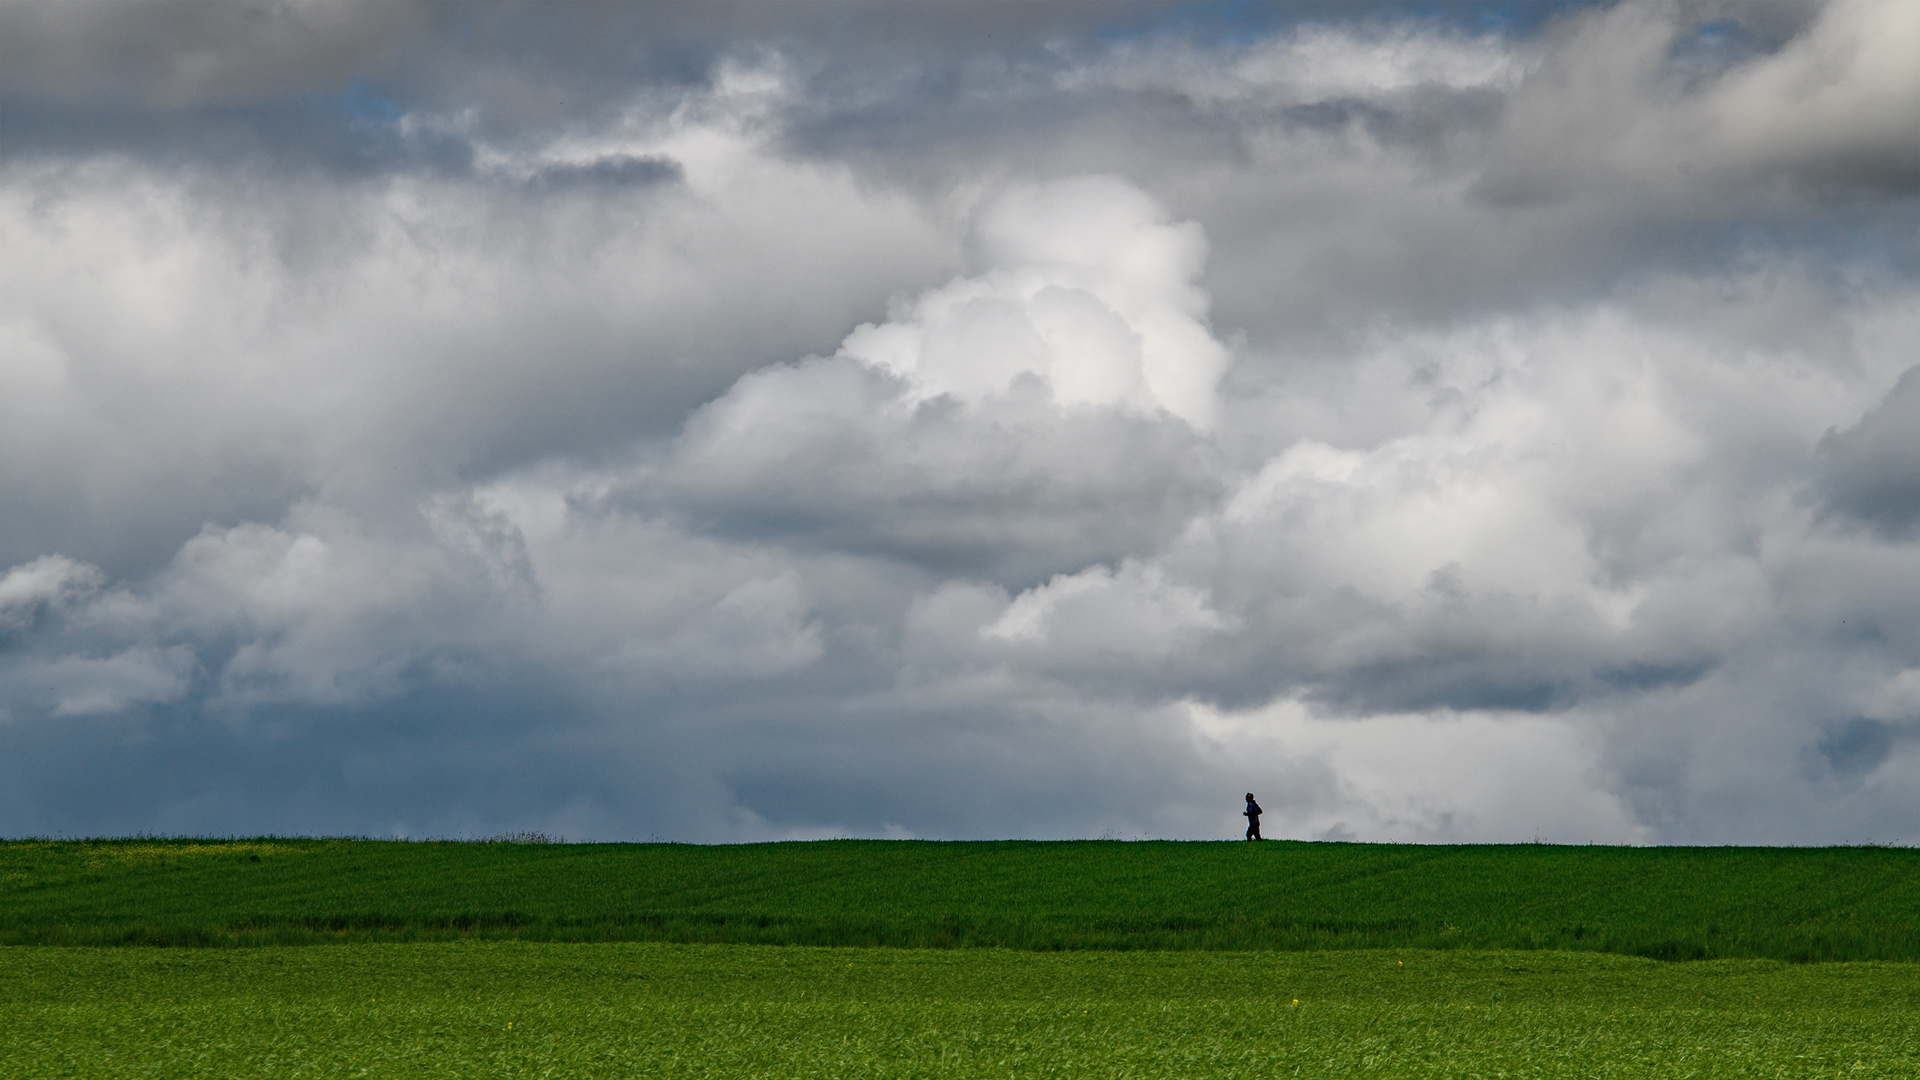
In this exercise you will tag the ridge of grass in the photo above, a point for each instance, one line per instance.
(1792, 904)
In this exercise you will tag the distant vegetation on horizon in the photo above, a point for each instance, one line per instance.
(1795, 904)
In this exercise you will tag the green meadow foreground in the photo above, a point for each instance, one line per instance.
(1796, 904)
(392, 959)
(522, 1009)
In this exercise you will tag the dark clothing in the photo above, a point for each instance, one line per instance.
(1253, 820)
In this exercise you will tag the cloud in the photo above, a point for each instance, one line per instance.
(1091, 292)
(51, 581)
(81, 686)
(1045, 411)
(1398, 777)
(1823, 109)
(733, 422)
(1135, 614)
(1872, 469)
(181, 54)
(1832, 105)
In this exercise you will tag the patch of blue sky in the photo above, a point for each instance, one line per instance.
(1866, 243)
(1711, 48)
(362, 104)
(357, 129)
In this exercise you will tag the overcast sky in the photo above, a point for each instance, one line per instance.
(712, 422)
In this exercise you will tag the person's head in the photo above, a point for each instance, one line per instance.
(1249, 796)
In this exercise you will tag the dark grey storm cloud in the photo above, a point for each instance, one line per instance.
(742, 421)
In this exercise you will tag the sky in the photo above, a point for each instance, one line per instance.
(738, 422)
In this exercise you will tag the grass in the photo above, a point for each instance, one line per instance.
(1792, 904)
(518, 1009)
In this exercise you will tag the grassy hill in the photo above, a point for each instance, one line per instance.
(1797, 904)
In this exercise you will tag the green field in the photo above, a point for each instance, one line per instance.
(1086, 959)
(1795, 904)
(513, 1009)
